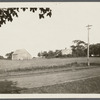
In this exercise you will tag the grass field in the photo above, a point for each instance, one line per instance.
(91, 85)
(6, 65)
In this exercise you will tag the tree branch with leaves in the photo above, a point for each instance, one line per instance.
(7, 14)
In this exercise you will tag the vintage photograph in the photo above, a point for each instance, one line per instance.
(50, 48)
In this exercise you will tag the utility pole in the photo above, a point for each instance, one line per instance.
(88, 28)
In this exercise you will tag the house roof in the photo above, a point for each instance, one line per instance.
(20, 51)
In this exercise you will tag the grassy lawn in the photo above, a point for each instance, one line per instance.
(91, 85)
(51, 69)
(8, 65)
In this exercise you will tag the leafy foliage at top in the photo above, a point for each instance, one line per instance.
(7, 14)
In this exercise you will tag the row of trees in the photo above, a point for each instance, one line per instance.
(79, 49)
(95, 49)
(50, 54)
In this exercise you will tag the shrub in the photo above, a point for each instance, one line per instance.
(9, 87)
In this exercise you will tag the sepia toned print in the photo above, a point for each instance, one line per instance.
(49, 48)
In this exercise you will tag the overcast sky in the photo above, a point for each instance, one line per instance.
(68, 23)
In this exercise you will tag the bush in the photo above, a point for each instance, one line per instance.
(9, 87)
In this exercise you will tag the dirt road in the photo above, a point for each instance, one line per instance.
(44, 79)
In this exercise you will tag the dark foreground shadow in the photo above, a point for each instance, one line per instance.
(9, 87)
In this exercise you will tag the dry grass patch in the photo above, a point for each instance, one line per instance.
(7, 65)
(91, 85)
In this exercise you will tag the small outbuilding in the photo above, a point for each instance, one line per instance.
(21, 54)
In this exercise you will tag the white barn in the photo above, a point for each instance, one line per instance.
(21, 54)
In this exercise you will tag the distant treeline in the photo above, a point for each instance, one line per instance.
(1, 57)
(79, 49)
(50, 54)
